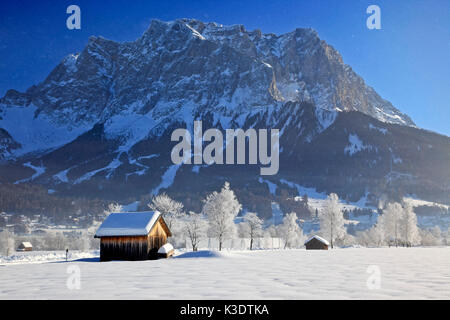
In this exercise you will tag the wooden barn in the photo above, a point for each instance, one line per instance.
(316, 243)
(25, 246)
(132, 236)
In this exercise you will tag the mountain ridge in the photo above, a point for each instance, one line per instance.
(100, 122)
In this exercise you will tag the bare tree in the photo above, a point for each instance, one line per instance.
(195, 227)
(113, 208)
(252, 227)
(170, 209)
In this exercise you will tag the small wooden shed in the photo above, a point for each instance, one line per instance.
(316, 243)
(132, 236)
(25, 246)
(166, 251)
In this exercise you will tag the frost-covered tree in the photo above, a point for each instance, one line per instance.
(267, 239)
(94, 243)
(371, 237)
(410, 230)
(170, 209)
(6, 243)
(437, 233)
(241, 229)
(431, 237)
(331, 219)
(221, 208)
(195, 227)
(346, 240)
(113, 208)
(390, 221)
(376, 235)
(271, 232)
(290, 231)
(446, 238)
(252, 227)
(363, 238)
(53, 241)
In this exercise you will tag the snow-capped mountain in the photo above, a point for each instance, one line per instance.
(101, 121)
(181, 68)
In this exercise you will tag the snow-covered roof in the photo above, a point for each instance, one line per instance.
(318, 238)
(27, 244)
(165, 248)
(128, 224)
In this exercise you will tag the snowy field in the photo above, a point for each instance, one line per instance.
(405, 273)
(45, 256)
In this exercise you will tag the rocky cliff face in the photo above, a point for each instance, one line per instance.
(305, 68)
(205, 66)
(101, 121)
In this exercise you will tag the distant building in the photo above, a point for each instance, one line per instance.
(132, 236)
(316, 243)
(25, 246)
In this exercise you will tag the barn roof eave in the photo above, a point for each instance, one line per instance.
(317, 238)
(163, 222)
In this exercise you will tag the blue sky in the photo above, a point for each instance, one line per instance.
(407, 61)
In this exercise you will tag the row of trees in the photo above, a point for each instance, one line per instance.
(217, 220)
(396, 226)
(82, 240)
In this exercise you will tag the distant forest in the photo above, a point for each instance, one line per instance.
(30, 199)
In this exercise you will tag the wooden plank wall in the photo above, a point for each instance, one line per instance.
(123, 248)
